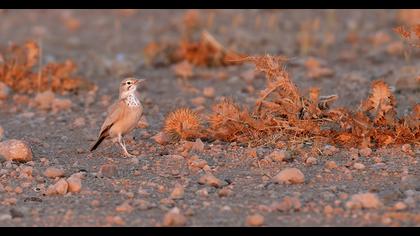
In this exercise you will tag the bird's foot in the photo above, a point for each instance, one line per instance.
(127, 154)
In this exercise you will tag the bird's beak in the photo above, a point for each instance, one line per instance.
(139, 81)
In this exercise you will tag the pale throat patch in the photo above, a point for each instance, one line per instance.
(132, 101)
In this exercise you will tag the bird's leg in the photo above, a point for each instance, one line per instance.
(122, 144)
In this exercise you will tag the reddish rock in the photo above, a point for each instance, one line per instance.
(15, 150)
(53, 172)
(44, 100)
(330, 165)
(363, 200)
(60, 188)
(124, 207)
(254, 220)
(1, 133)
(177, 192)
(161, 138)
(75, 183)
(365, 152)
(210, 180)
(108, 170)
(209, 92)
(289, 176)
(279, 156)
(198, 145)
(174, 218)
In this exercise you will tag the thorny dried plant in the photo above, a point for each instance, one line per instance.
(20, 69)
(411, 34)
(183, 124)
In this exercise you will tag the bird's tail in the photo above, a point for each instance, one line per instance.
(100, 139)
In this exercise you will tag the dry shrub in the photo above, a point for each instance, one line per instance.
(409, 16)
(410, 34)
(183, 124)
(19, 70)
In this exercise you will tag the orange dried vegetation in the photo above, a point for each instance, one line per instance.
(411, 34)
(19, 69)
(183, 124)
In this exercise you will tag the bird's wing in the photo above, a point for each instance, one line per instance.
(115, 111)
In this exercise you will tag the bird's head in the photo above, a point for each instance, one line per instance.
(129, 86)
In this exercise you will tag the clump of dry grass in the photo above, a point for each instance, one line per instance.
(20, 69)
(183, 124)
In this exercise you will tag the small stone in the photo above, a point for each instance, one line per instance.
(143, 123)
(364, 200)
(400, 206)
(202, 192)
(225, 192)
(359, 166)
(53, 172)
(287, 204)
(289, 176)
(177, 192)
(161, 138)
(44, 100)
(209, 92)
(330, 165)
(4, 91)
(1, 133)
(279, 156)
(407, 149)
(330, 150)
(210, 180)
(328, 210)
(251, 152)
(174, 218)
(167, 202)
(15, 150)
(198, 145)
(75, 183)
(60, 188)
(254, 220)
(311, 161)
(198, 163)
(366, 152)
(60, 104)
(4, 217)
(95, 203)
(108, 170)
(124, 207)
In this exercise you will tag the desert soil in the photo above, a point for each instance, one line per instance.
(137, 191)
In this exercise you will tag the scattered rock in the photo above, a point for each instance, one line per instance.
(202, 192)
(330, 150)
(289, 176)
(174, 218)
(251, 152)
(330, 165)
(359, 166)
(4, 91)
(75, 183)
(287, 204)
(209, 92)
(79, 122)
(124, 207)
(279, 156)
(1, 133)
(60, 188)
(44, 100)
(15, 150)
(60, 104)
(198, 101)
(177, 192)
(311, 161)
(198, 145)
(364, 200)
(400, 206)
(365, 152)
(143, 123)
(108, 170)
(210, 180)
(53, 172)
(406, 148)
(198, 163)
(161, 138)
(254, 220)
(225, 192)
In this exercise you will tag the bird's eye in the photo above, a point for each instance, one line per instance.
(128, 82)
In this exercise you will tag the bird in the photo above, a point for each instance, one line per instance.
(123, 115)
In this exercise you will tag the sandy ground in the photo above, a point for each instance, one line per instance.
(109, 43)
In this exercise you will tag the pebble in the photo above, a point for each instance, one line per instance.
(143, 123)
(79, 122)
(108, 170)
(287, 204)
(330, 165)
(225, 192)
(60, 104)
(365, 152)
(363, 200)
(198, 145)
(279, 156)
(174, 218)
(44, 100)
(359, 166)
(16, 150)
(202, 192)
(124, 207)
(400, 206)
(407, 149)
(53, 172)
(311, 161)
(209, 92)
(177, 192)
(60, 188)
(289, 176)
(75, 183)
(254, 220)
(330, 150)
(161, 138)
(1, 133)
(210, 180)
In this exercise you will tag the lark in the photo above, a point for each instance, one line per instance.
(123, 115)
